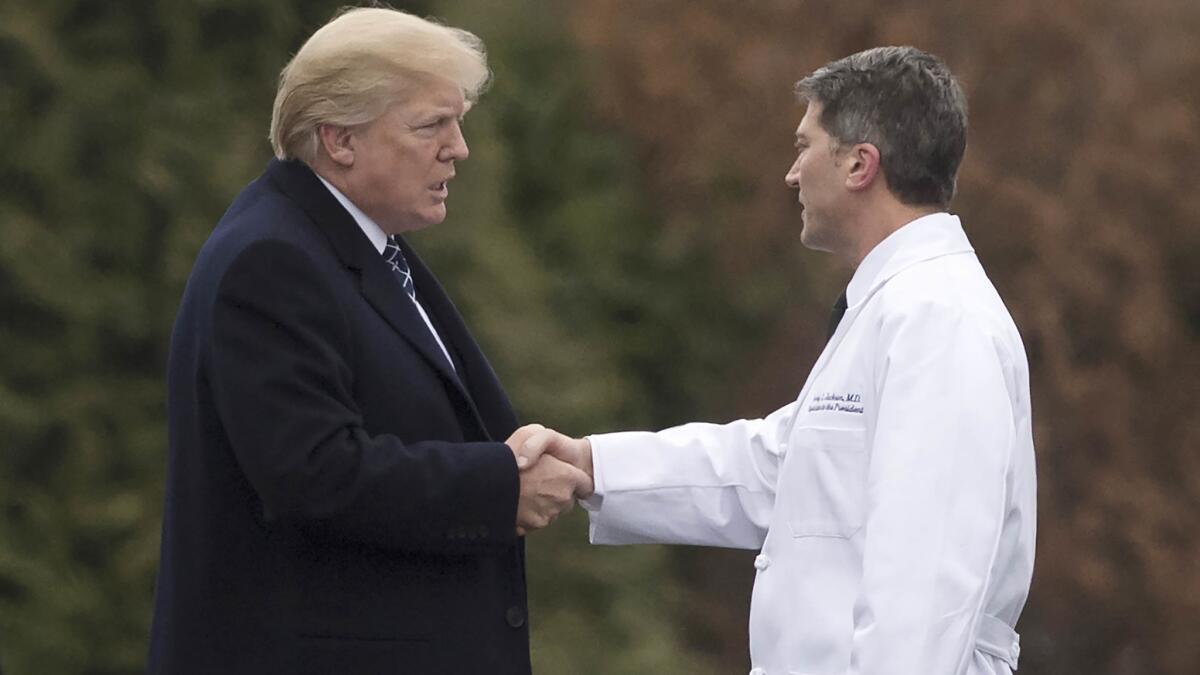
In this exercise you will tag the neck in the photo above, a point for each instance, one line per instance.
(331, 172)
(878, 223)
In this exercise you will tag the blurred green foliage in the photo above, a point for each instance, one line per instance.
(623, 247)
(131, 125)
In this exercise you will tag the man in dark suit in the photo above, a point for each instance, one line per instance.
(338, 497)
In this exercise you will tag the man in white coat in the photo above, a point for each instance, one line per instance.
(894, 500)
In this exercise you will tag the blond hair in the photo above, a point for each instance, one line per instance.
(363, 60)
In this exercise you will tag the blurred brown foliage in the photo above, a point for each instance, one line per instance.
(1076, 191)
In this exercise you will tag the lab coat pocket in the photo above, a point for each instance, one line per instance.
(827, 477)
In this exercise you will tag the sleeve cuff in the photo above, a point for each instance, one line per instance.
(593, 503)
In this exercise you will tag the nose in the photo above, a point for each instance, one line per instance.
(793, 175)
(455, 147)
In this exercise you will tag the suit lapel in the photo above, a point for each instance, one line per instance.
(489, 402)
(384, 293)
(378, 284)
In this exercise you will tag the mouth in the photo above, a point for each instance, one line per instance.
(440, 190)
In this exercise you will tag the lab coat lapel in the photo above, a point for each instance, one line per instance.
(830, 348)
(924, 239)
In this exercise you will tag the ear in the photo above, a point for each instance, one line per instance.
(337, 143)
(863, 167)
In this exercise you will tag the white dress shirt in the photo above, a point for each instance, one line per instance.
(893, 500)
(379, 241)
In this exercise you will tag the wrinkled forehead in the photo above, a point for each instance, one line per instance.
(432, 95)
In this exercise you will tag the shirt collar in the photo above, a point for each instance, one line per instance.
(927, 237)
(369, 227)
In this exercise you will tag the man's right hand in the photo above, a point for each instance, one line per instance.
(531, 442)
(548, 490)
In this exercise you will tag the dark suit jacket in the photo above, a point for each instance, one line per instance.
(337, 499)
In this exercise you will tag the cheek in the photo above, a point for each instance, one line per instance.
(808, 164)
(819, 174)
(407, 179)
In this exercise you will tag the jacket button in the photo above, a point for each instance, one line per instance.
(515, 617)
(761, 562)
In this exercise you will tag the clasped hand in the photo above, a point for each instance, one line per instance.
(555, 470)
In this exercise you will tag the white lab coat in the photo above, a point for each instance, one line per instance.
(894, 500)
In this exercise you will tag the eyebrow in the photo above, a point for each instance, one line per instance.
(437, 107)
(442, 111)
(437, 114)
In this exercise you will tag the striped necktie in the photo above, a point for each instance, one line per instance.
(395, 257)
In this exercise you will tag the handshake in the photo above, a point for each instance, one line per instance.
(555, 471)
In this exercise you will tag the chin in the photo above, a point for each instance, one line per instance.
(812, 240)
(420, 221)
(434, 216)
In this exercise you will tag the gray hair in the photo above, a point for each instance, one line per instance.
(361, 62)
(904, 102)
